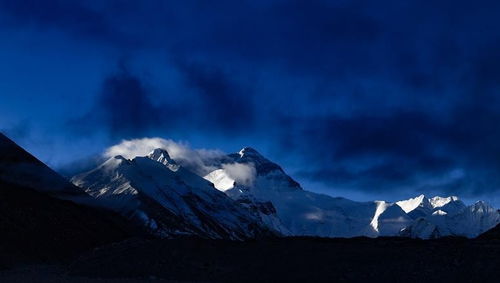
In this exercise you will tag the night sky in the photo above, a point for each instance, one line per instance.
(362, 99)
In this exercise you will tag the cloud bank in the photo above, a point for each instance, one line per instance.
(200, 161)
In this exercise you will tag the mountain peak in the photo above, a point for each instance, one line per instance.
(248, 151)
(120, 157)
(114, 162)
(265, 169)
(159, 153)
(481, 206)
(442, 201)
(420, 198)
(413, 203)
(162, 156)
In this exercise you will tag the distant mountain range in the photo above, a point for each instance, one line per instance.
(310, 214)
(244, 196)
(150, 187)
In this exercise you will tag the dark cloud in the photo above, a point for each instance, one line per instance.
(73, 16)
(372, 153)
(126, 104)
(126, 107)
(373, 95)
(400, 150)
(123, 108)
(223, 103)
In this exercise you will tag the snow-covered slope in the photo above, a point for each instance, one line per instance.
(302, 212)
(245, 195)
(467, 221)
(447, 216)
(168, 198)
(422, 206)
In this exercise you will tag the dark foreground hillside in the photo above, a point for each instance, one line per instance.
(277, 260)
(492, 234)
(35, 227)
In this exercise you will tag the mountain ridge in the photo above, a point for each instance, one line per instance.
(244, 196)
(373, 219)
(187, 199)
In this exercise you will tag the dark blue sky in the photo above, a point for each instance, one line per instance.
(364, 99)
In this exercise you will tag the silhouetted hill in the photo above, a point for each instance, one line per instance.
(37, 226)
(492, 234)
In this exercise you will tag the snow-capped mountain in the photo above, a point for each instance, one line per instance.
(169, 199)
(302, 212)
(453, 218)
(245, 195)
(422, 206)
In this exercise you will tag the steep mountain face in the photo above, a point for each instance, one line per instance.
(35, 224)
(453, 218)
(304, 213)
(267, 176)
(168, 199)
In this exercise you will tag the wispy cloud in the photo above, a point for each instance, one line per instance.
(243, 174)
(199, 161)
